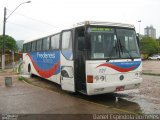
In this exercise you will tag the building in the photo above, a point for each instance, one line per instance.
(150, 31)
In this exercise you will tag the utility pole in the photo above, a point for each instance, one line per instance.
(3, 46)
(4, 29)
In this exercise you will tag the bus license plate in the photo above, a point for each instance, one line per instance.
(120, 88)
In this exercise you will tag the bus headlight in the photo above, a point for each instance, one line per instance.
(138, 74)
(102, 78)
(99, 78)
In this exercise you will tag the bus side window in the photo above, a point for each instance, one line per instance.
(67, 45)
(39, 45)
(28, 47)
(46, 43)
(33, 46)
(55, 41)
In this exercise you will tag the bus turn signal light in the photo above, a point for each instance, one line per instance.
(89, 78)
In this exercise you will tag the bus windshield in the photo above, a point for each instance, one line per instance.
(113, 43)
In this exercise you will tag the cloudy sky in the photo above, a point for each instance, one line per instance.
(46, 16)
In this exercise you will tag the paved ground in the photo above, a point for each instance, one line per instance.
(25, 99)
(151, 66)
(146, 97)
(22, 98)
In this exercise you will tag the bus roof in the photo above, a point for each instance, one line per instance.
(98, 23)
(104, 24)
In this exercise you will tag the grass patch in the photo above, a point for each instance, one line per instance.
(2, 71)
(21, 78)
(153, 74)
(140, 112)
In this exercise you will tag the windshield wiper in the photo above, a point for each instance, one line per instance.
(113, 48)
(121, 47)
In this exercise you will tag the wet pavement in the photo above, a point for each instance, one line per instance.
(22, 98)
(151, 66)
(146, 97)
(45, 97)
(144, 100)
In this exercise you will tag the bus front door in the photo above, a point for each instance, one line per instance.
(67, 63)
(67, 75)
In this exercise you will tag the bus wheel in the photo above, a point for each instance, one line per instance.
(29, 68)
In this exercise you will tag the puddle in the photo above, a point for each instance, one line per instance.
(148, 105)
(115, 101)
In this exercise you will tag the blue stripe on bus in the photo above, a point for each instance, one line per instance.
(46, 60)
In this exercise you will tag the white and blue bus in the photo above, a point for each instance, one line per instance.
(91, 58)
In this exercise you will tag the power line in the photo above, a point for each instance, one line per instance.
(40, 21)
(29, 32)
(24, 27)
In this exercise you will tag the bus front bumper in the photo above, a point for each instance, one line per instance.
(101, 88)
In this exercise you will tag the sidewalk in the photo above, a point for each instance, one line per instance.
(22, 98)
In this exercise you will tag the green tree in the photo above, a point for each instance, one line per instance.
(10, 43)
(148, 46)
